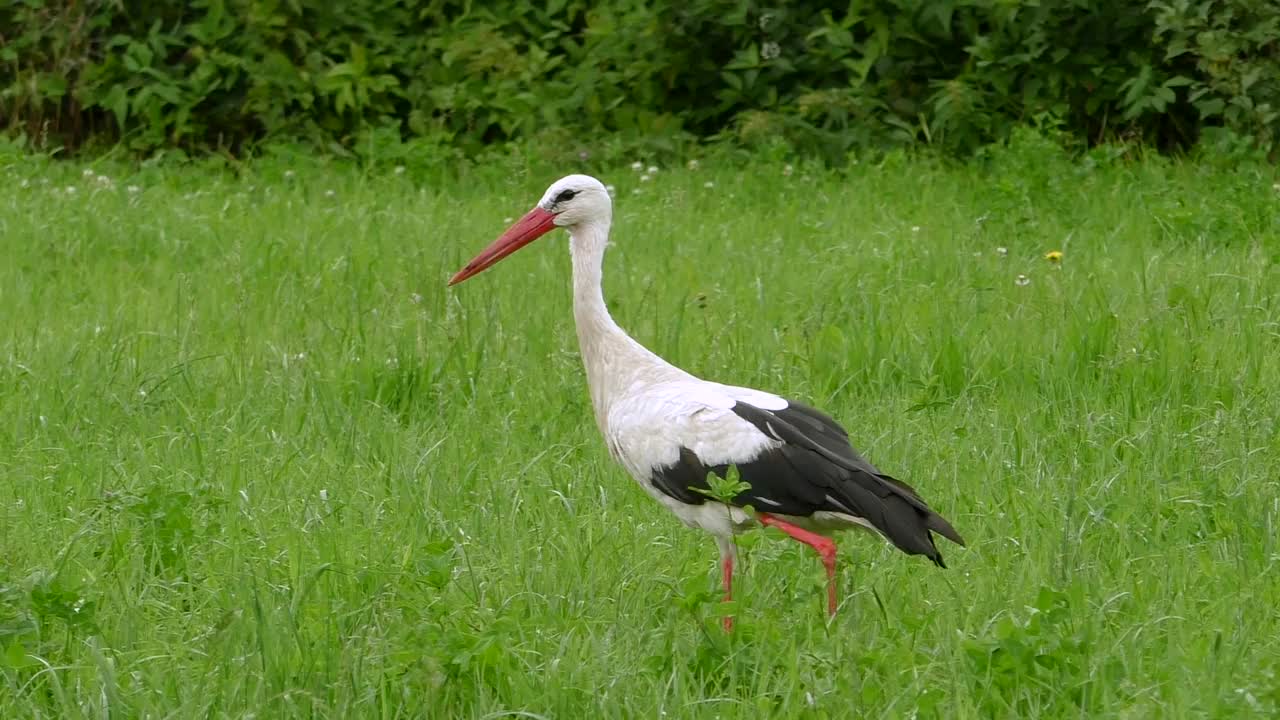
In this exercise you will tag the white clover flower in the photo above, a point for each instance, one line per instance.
(87, 172)
(770, 50)
(1002, 251)
(133, 189)
(646, 178)
(787, 170)
(708, 184)
(288, 174)
(1022, 281)
(637, 166)
(693, 165)
(329, 193)
(915, 228)
(652, 169)
(399, 170)
(71, 189)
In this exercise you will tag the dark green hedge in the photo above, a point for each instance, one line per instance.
(226, 74)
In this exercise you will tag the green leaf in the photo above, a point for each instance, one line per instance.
(724, 489)
(15, 656)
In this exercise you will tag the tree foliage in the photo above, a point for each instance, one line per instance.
(226, 74)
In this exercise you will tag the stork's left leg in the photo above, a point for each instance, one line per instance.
(728, 554)
(825, 546)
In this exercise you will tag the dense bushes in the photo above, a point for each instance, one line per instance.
(955, 73)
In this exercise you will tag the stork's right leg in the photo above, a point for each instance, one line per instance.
(825, 546)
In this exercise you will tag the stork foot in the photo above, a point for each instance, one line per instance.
(825, 546)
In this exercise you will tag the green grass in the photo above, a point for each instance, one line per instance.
(256, 460)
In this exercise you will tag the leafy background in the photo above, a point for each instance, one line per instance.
(227, 75)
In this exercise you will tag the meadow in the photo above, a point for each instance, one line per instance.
(257, 461)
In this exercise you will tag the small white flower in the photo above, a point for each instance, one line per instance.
(288, 174)
(1275, 186)
(915, 228)
(104, 181)
(88, 172)
(693, 165)
(766, 19)
(637, 166)
(1002, 251)
(415, 298)
(646, 178)
(142, 392)
(652, 169)
(71, 189)
(611, 190)
(508, 220)
(300, 357)
(25, 183)
(787, 170)
(329, 193)
(770, 50)
(97, 330)
(399, 170)
(1022, 281)
(393, 363)
(708, 184)
(133, 189)
(636, 191)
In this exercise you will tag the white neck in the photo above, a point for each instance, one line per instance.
(613, 360)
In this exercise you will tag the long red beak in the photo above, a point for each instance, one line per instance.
(536, 223)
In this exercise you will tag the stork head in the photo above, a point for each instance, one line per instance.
(571, 201)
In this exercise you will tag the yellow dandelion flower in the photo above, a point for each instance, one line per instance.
(1054, 256)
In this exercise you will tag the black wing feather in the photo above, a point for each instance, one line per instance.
(815, 469)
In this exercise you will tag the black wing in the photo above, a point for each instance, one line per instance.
(815, 469)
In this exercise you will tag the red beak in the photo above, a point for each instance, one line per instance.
(536, 223)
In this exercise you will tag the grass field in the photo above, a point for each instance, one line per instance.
(257, 461)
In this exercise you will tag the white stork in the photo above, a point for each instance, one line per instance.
(670, 429)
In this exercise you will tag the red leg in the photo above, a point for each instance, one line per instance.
(727, 566)
(825, 546)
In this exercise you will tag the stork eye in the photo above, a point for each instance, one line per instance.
(566, 196)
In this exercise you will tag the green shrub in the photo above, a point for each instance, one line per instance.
(226, 74)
